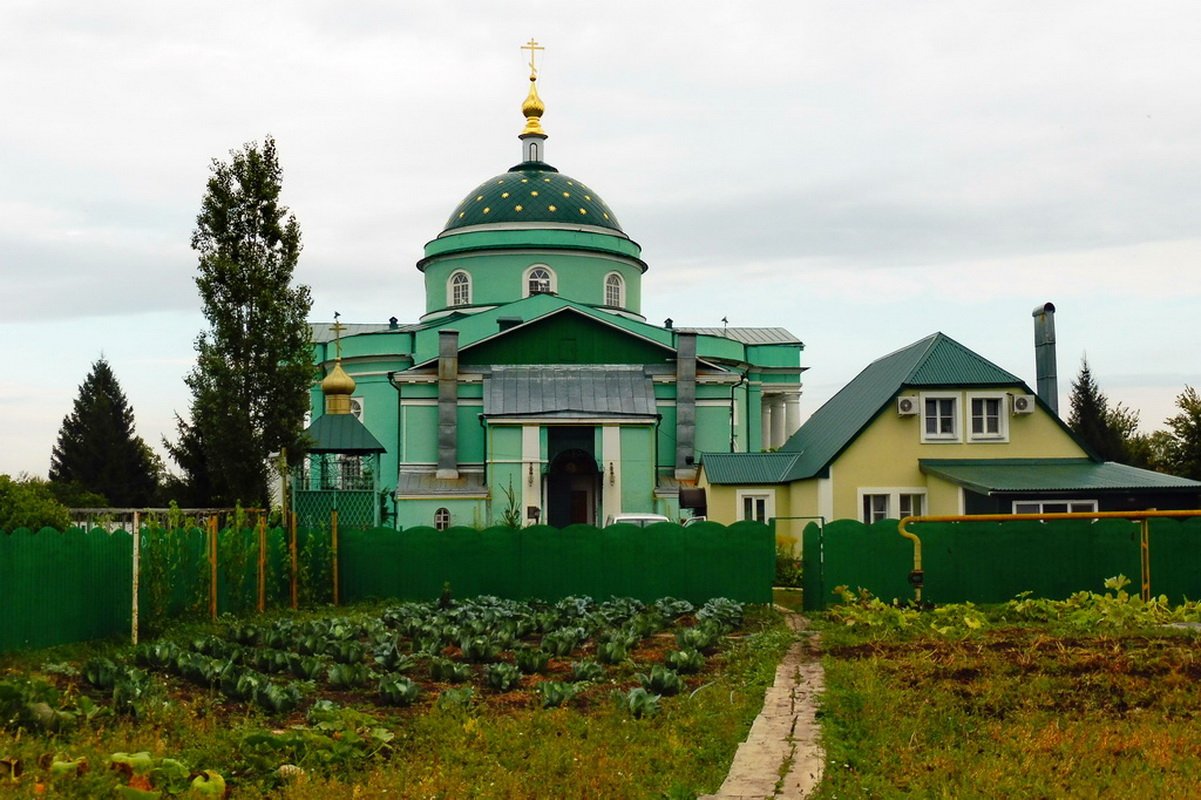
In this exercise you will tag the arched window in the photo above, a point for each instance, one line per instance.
(614, 290)
(539, 280)
(442, 519)
(460, 289)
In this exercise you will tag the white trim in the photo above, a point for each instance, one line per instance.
(621, 290)
(450, 288)
(648, 419)
(531, 470)
(552, 280)
(1067, 504)
(610, 460)
(765, 493)
(433, 401)
(1002, 434)
(893, 493)
(956, 434)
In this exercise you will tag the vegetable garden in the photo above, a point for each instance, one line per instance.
(440, 698)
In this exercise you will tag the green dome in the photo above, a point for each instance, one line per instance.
(532, 192)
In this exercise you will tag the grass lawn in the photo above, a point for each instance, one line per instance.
(1097, 696)
(459, 719)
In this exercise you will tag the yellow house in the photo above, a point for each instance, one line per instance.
(932, 428)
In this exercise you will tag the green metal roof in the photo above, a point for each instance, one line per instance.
(553, 390)
(341, 433)
(1025, 475)
(935, 361)
(748, 468)
(532, 192)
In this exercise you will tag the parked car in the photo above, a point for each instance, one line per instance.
(641, 520)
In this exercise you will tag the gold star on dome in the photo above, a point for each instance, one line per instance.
(552, 208)
(517, 208)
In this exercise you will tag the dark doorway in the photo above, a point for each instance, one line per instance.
(573, 479)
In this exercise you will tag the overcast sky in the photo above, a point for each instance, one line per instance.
(862, 174)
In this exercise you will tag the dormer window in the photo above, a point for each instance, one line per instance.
(539, 279)
(460, 289)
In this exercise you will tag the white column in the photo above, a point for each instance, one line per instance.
(792, 413)
(777, 420)
(531, 470)
(765, 422)
(611, 472)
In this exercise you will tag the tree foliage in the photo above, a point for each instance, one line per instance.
(1182, 440)
(98, 452)
(1111, 433)
(253, 367)
(28, 503)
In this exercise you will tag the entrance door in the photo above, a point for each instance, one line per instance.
(572, 479)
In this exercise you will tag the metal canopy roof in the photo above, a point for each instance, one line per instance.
(341, 433)
(1012, 475)
(602, 390)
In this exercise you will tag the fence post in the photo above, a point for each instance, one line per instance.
(262, 562)
(213, 566)
(291, 517)
(137, 559)
(333, 532)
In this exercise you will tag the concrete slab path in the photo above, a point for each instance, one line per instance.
(782, 756)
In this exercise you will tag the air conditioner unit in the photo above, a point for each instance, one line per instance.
(1023, 403)
(906, 406)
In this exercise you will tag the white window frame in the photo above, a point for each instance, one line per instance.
(1002, 434)
(621, 290)
(442, 518)
(552, 286)
(1041, 506)
(451, 286)
(362, 406)
(767, 496)
(956, 417)
(894, 495)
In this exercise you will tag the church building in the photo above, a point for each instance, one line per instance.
(533, 388)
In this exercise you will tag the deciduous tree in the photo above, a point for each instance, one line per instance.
(253, 366)
(98, 451)
(1184, 436)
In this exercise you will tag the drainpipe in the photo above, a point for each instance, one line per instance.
(448, 404)
(734, 388)
(1046, 379)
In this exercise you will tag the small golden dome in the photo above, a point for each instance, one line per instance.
(337, 381)
(533, 108)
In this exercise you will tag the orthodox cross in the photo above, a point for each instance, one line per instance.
(532, 46)
(337, 328)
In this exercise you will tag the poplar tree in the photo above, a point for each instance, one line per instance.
(97, 449)
(254, 363)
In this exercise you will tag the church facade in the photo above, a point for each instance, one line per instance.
(533, 388)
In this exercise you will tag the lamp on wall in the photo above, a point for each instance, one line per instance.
(530, 480)
(612, 475)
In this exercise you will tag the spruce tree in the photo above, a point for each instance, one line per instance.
(254, 363)
(98, 451)
(1092, 420)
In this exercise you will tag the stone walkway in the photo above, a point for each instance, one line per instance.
(781, 757)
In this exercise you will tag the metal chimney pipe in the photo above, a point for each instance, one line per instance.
(1046, 374)
(685, 403)
(448, 404)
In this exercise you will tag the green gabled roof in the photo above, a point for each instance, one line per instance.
(341, 433)
(935, 361)
(748, 468)
(1025, 475)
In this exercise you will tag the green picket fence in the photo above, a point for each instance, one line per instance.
(991, 562)
(57, 588)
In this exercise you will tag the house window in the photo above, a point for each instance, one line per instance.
(356, 408)
(442, 519)
(460, 289)
(614, 290)
(987, 417)
(911, 505)
(1054, 506)
(875, 507)
(539, 279)
(877, 503)
(940, 417)
(757, 506)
